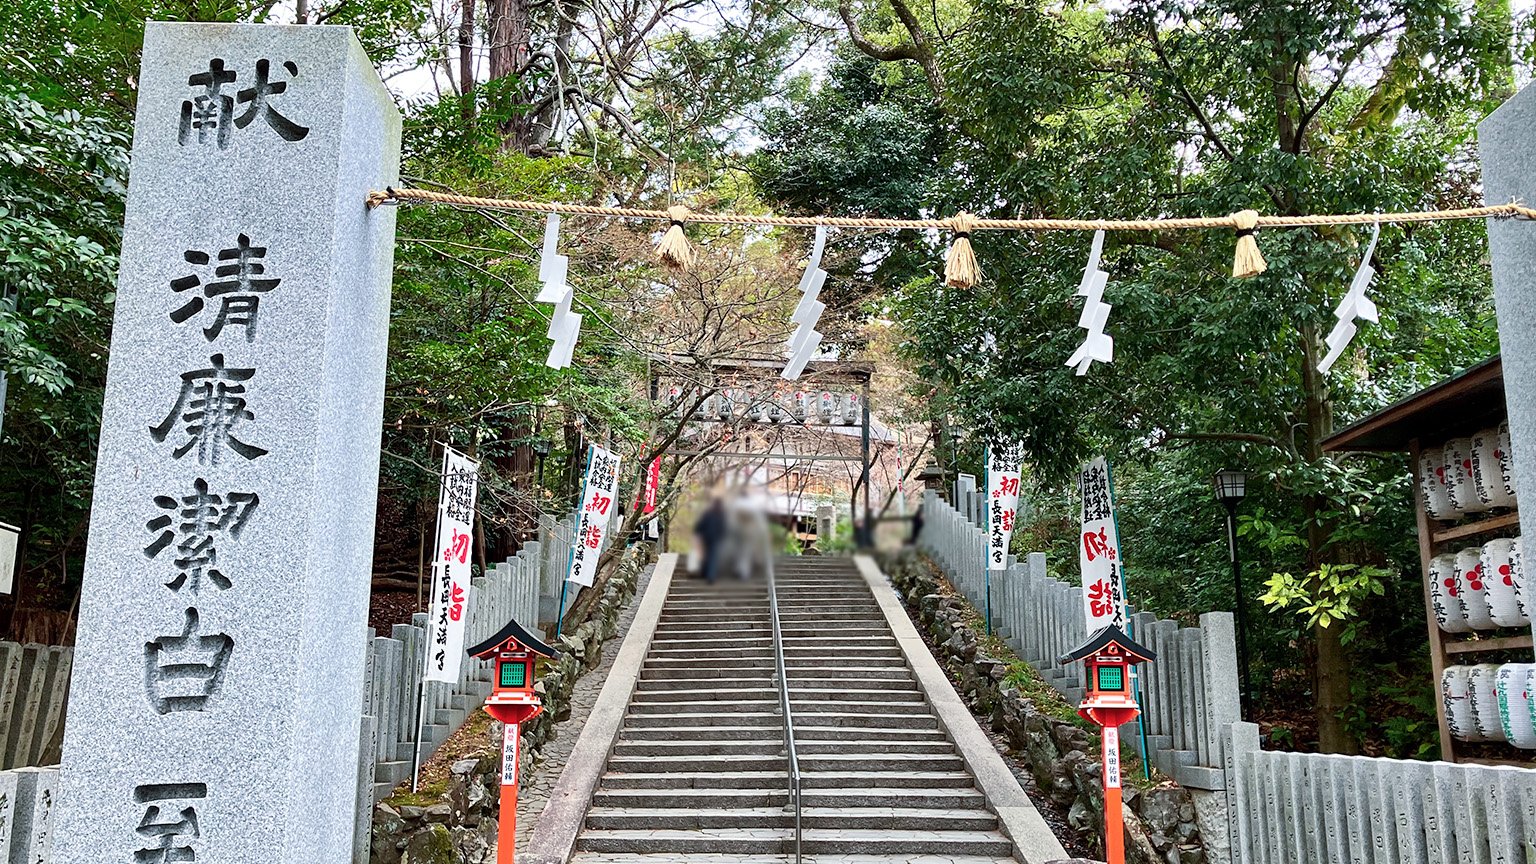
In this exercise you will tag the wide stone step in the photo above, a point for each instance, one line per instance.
(849, 818)
(673, 643)
(720, 841)
(805, 746)
(849, 653)
(667, 665)
(688, 798)
(951, 798)
(707, 718)
(830, 642)
(808, 669)
(763, 746)
(797, 682)
(839, 779)
(701, 780)
(852, 632)
(805, 733)
(691, 631)
(684, 614)
(807, 717)
(765, 690)
(765, 702)
(699, 762)
(776, 858)
(773, 732)
(881, 762)
(815, 840)
(801, 692)
(717, 654)
(850, 706)
(865, 841)
(699, 682)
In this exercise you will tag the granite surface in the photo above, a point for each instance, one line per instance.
(215, 704)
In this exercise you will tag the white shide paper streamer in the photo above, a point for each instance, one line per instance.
(808, 311)
(564, 325)
(1097, 345)
(1355, 305)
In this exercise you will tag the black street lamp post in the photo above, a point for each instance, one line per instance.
(1231, 487)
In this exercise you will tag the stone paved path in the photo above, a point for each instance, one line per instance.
(533, 793)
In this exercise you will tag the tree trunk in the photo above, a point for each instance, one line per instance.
(1331, 675)
(467, 62)
(509, 57)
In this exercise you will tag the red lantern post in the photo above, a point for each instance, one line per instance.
(1109, 655)
(514, 703)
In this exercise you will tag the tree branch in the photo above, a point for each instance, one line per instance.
(918, 51)
(1246, 437)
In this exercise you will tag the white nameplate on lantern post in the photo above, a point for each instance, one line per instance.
(509, 742)
(1111, 757)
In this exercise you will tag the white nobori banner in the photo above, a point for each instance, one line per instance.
(451, 566)
(1003, 468)
(597, 506)
(1099, 550)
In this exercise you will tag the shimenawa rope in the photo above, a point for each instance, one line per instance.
(960, 268)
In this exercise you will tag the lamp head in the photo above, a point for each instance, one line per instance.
(1231, 487)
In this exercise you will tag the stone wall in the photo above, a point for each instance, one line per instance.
(1062, 756)
(457, 824)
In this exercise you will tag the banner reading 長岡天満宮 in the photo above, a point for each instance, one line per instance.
(1003, 469)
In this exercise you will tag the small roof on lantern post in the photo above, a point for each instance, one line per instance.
(512, 631)
(1099, 641)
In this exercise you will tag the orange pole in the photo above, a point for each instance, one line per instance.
(1114, 827)
(506, 821)
(506, 830)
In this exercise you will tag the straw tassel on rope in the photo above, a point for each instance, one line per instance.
(674, 250)
(960, 268)
(1247, 261)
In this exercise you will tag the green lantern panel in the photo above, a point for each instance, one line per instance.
(1111, 678)
(514, 674)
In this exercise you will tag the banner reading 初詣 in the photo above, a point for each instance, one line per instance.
(1098, 552)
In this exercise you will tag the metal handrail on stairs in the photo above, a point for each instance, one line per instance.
(789, 720)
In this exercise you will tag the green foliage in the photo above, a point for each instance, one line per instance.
(1331, 593)
(1163, 108)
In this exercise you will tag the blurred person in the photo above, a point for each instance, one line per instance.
(917, 524)
(712, 529)
(751, 539)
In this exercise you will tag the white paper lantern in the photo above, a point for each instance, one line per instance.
(1446, 594)
(1487, 470)
(1474, 588)
(1432, 485)
(1506, 460)
(1499, 575)
(1457, 695)
(1517, 572)
(1485, 701)
(1512, 685)
(1458, 476)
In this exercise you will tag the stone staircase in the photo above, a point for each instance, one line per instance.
(699, 772)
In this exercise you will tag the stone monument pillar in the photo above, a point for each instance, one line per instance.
(1509, 157)
(215, 708)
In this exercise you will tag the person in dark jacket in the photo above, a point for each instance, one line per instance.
(711, 530)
